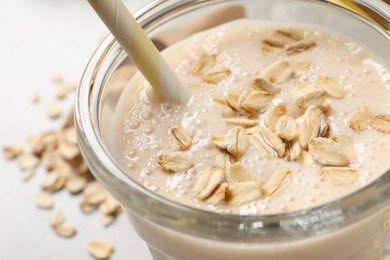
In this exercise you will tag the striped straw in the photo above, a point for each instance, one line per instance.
(140, 49)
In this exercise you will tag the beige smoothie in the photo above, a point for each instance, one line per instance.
(282, 117)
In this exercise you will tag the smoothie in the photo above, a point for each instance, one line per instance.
(282, 117)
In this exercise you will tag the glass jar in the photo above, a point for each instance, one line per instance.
(353, 227)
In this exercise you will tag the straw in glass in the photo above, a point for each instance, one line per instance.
(140, 49)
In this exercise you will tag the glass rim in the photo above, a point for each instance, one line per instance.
(331, 215)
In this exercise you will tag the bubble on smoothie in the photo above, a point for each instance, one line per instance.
(147, 115)
(131, 152)
(132, 165)
(289, 198)
(309, 199)
(148, 130)
(146, 172)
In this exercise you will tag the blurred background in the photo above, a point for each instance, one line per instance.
(41, 39)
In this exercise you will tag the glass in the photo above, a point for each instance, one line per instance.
(354, 227)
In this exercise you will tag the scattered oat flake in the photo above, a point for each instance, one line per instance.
(69, 120)
(65, 230)
(302, 88)
(243, 96)
(219, 141)
(70, 135)
(313, 125)
(94, 193)
(256, 100)
(218, 194)
(50, 139)
(175, 162)
(53, 111)
(244, 122)
(35, 98)
(331, 86)
(232, 100)
(314, 97)
(27, 161)
(292, 33)
(272, 116)
(272, 50)
(306, 159)
(358, 119)
(44, 200)
(293, 150)
(68, 151)
(339, 175)
(270, 142)
(251, 130)
(56, 77)
(50, 160)
(54, 181)
(245, 192)
(56, 218)
(37, 147)
(100, 249)
(299, 67)
(12, 151)
(228, 111)
(203, 64)
(265, 85)
(61, 92)
(106, 220)
(27, 174)
(207, 181)
(87, 208)
(60, 183)
(216, 75)
(239, 172)
(110, 207)
(346, 144)
(278, 72)
(278, 40)
(180, 138)
(325, 107)
(223, 160)
(300, 46)
(76, 184)
(219, 100)
(327, 152)
(287, 128)
(275, 181)
(236, 141)
(380, 123)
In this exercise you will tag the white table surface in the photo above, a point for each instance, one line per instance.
(39, 37)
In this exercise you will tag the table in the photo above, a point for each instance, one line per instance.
(39, 38)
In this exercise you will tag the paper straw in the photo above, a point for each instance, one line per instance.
(140, 49)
